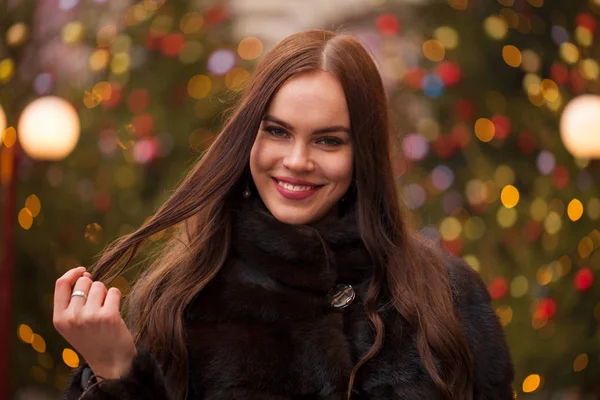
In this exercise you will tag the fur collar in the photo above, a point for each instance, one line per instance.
(313, 257)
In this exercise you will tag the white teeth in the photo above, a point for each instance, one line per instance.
(294, 188)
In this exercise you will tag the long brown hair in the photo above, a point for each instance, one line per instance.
(413, 273)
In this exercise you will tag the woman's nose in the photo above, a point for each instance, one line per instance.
(298, 158)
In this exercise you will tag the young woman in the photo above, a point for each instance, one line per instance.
(293, 274)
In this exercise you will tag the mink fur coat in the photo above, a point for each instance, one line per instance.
(264, 329)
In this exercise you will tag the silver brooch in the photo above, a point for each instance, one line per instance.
(341, 296)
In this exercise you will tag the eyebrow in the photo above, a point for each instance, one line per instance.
(328, 129)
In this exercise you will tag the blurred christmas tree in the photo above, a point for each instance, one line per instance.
(149, 82)
(482, 92)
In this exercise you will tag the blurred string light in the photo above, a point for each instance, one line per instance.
(221, 61)
(17, 34)
(2, 123)
(48, 128)
(580, 126)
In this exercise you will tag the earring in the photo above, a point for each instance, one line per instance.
(247, 193)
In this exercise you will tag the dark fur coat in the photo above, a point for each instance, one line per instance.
(264, 329)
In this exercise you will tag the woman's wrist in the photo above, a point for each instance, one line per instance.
(114, 371)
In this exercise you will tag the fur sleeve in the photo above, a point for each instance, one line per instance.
(493, 368)
(143, 381)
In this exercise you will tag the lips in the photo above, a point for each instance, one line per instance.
(296, 195)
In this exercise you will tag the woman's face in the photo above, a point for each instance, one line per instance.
(302, 159)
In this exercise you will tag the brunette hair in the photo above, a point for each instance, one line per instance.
(405, 268)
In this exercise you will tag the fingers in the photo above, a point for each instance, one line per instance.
(62, 290)
(113, 299)
(96, 295)
(83, 284)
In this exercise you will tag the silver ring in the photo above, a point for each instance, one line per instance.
(79, 293)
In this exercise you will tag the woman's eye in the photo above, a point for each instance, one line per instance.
(330, 141)
(273, 130)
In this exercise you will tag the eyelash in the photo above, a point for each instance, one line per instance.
(271, 130)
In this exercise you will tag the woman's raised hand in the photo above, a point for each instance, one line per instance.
(88, 317)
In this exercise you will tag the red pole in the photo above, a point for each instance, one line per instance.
(8, 174)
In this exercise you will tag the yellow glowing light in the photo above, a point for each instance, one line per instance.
(236, 79)
(450, 228)
(544, 275)
(549, 90)
(531, 83)
(153, 5)
(504, 175)
(72, 32)
(569, 52)
(199, 86)
(91, 99)
(103, 89)
(38, 343)
(120, 63)
(552, 223)
(555, 104)
(106, 35)
(2, 123)
(519, 286)
(434, 50)
(484, 129)
(512, 56)
(506, 217)
(191, 52)
(93, 233)
(9, 136)
(70, 358)
(25, 333)
(7, 69)
(250, 48)
(121, 44)
(575, 209)
(474, 228)
(509, 196)
(99, 60)
(25, 218)
(191, 22)
(536, 3)
(447, 36)
(538, 209)
(473, 261)
(49, 128)
(531, 61)
(496, 27)
(534, 94)
(491, 191)
(531, 383)
(505, 314)
(589, 69)
(459, 4)
(161, 25)
(585, 247)
(429, 128)
(565, 263)
(33, 204)
(583, 36)
(136, 14)
(16, 34)
(580, 363)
